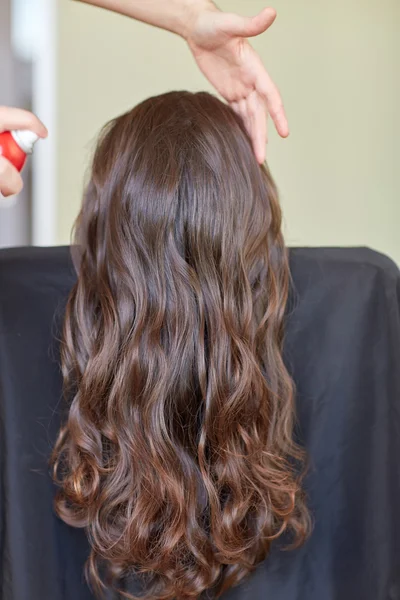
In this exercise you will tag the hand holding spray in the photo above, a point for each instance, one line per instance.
(16, 145)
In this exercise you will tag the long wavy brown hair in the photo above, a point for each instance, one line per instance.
(177, 455)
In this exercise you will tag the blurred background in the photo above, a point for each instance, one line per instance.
(337, 65)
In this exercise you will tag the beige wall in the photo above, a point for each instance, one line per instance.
(337, 65)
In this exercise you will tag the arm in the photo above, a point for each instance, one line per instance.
(172, 15)
(220, 47)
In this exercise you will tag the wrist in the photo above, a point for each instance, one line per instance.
(192, 10)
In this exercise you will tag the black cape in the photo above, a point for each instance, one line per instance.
(343, 349)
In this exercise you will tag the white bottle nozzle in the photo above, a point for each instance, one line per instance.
(25, 139)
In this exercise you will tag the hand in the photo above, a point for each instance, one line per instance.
(219, 45)
(15, 118)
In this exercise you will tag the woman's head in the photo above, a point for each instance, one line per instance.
(177, 455)
(178, 169)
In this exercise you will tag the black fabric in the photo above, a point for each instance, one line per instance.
(343, 348)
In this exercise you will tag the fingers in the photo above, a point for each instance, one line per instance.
(277, 112)
(239, 108)
(257, 117)
(237, 25)
(10, 179)
(273, 100)
(253, 112)
(16, 118)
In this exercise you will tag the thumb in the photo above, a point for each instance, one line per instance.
(236, 25)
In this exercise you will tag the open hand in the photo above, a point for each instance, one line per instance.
(219, 45)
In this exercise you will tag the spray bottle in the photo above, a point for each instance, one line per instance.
(16, 145)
